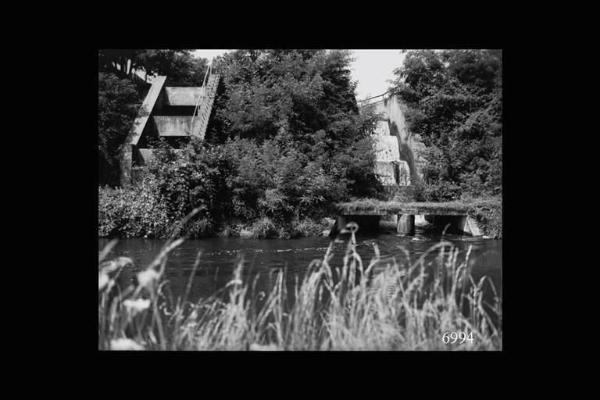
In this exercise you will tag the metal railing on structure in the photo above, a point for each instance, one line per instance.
(201, 97)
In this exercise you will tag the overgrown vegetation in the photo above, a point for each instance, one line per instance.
(285, 140)
(488, 214)
(455, 104)
(486, 211)
(118, 103)
(285, 143)
(385, 305)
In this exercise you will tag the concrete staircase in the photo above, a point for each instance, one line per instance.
(169, 112)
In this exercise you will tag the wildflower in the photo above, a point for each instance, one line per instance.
(125, 344)
(135, 306)
(102, 280)
(146, 278)
(234, 282)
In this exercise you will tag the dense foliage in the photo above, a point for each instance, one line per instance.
(118, 101)
(180, 67)
(455, 105)
(284, 143)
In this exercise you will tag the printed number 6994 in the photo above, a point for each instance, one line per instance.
(453, 337)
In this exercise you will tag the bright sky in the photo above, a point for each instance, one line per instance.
(371, 68)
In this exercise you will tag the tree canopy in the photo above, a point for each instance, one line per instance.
(455, 104)
(180, 67)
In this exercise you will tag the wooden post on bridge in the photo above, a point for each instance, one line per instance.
(406, 224)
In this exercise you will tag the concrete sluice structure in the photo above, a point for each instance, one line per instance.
(175, 114)
(399, 152)
(399, 163)
(391, 169)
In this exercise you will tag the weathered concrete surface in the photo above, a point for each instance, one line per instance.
(406, 224)
(410, 146)
(420, 220)
(173, 125)
(183, 96)
(469, 226)
(166, 105)
(403, 170)
(382, 129)
(147, 156)
(386, 172)
(373, 207)
(386, 148)
(150, 102)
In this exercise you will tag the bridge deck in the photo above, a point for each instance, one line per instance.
(375, 207)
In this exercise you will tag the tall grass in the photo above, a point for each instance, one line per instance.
(382, 305)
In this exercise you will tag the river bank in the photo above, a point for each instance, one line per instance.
(487, 213)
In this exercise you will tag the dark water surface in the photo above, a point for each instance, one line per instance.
(263, 258)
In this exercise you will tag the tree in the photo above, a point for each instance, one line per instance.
(455, 104)
(303, 100)
(180, 67)
(118, 101)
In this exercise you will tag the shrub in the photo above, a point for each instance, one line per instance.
(135, 212)
(264, 228)
(454, 101)
(118, 101)
(307, 227)
(488, 214)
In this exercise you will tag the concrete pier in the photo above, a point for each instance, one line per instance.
(469, 226)
(453, 214)
(406, 224)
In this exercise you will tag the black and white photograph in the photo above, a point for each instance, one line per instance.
(300, 199)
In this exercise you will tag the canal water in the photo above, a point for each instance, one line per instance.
(263, 258)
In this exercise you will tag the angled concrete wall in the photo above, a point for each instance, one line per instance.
(183, 96)
(386, 148)
(410, 147)
(173, 125)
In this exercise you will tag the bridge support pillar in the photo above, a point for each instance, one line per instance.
(406, 224)
(340, 223)
(469, 226)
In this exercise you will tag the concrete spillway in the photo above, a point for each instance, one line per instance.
(409, 147)
(392, 170)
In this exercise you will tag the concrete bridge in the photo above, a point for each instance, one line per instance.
(367, 214)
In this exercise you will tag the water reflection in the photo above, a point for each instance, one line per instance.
(263, 258)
